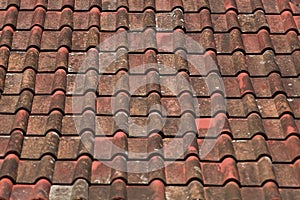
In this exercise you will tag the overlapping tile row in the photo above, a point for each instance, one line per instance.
(243, 6)
(79, 119)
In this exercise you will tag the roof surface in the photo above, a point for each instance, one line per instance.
(160, 99)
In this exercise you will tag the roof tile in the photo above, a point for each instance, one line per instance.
(232, 20)
(268, 190)
(229, 191)
(87, 115)
(28, 174)
(94, 17)
(9, 167)
(66, 172)
(281, 156)
(251, 150)
(288, 193)
(50, 23)
(6, 187)
(39, 16)
(39, 190)
(226, 170)
(49, 40)
(223, 148)
(66, 18)
(256, 173)
(11, 16)
(286, 175)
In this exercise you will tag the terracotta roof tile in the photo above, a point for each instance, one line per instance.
(116, 100)
(226, 170)
(287, 193)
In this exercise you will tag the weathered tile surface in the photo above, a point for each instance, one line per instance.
(131, 99)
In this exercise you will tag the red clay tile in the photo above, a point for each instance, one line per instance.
(284, 5)
(251, 126)
(256, 174)
(62, 58)
(65, 38)
(94, 17)
(227, 43)
(10, 101)
(100, 173)
(291, 86)
(273, 128)
(216, 8)
(292, 62)
(70, 147)
(294, 103)
(36, 125)
(141, 192)
(41, 104)
(21, 120)
(288, 193)
(25, 19)
(80, 189)
(213, 126)
(286, 175)
(15, 143)
(288, 21)
(157, 99)
(12, 83)
(106, 17)
(288, 124)
(148, 19)
(250, 104)
(223, 147)
(4, 57)
(56, 4)
(275, 23)
(79, 20)
(262, 65)
(66, 172)
(252, 43)
(79, 40)
(270, 7)
(4, 143)
(219, 22)
(269, 190)
(49, 40)
(291, 145)
(282, 43)
(43, 83)
(267, 108)
(232, 20)
(68, 125)
(28, 80)
(66, 18)
(4, 4)
(27, 172)
(229, 191)
(49, 22)
(253, 5)
(236, 108)
(6, 187)
(39, 145)
(9, 166)
(99, 192)
(225, 171)
(39, 190)
(250, 150)
(39, 16)
(20, 40)
(46, 62)
(6, 36)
